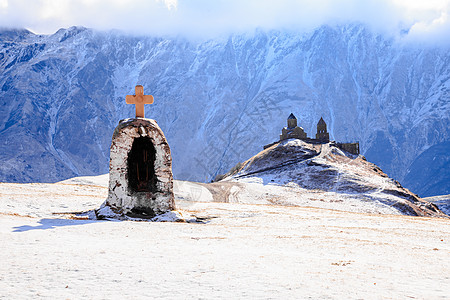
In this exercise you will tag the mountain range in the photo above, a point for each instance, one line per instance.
(220, 100)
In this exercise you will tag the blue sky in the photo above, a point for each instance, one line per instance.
(424, 20)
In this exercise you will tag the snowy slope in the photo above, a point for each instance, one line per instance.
(443, 202)
(320, 175)
(243, 251)
(218, 101)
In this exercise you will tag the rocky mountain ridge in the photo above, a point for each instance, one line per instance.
(218, 101)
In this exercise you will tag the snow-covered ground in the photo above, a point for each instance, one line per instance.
(241, 251)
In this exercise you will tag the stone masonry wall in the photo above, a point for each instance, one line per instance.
(121, 198)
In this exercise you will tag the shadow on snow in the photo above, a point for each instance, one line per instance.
(52, 224)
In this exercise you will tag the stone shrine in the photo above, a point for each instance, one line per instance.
(140, 169)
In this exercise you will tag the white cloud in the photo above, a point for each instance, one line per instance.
(170, 4)
(426, 20)
(3, 4)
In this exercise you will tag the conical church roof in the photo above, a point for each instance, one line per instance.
(321, 122)
(291, 116)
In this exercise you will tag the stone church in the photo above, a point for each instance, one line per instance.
(293, 131)
(322, 133)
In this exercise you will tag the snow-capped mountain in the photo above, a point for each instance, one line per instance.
(219, 101)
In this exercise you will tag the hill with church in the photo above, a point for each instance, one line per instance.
(300, 171)
(294, 172)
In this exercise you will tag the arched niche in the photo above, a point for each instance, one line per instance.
(140, 170)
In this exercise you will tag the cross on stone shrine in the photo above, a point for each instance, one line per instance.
(139, 100)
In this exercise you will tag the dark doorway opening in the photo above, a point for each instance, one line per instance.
(141, 166)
